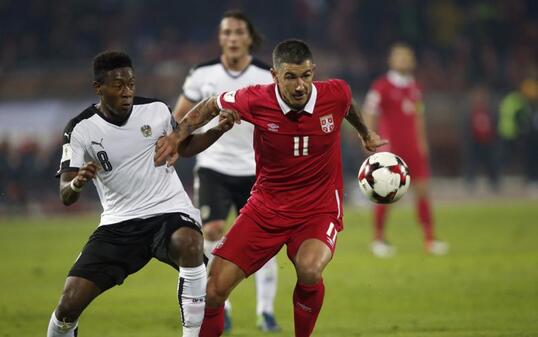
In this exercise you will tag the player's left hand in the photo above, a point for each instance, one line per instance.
(166, 150)
(227, 118)
(372, 141)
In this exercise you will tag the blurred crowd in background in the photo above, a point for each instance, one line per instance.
(478, 65)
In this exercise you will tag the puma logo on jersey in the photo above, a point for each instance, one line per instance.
(98, 143)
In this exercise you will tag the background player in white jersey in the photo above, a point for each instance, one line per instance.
(225, 172)
(146, 211)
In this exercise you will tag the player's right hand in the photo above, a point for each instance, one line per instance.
(86, 173)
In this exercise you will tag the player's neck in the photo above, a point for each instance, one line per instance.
(110, 115)
(236, 64)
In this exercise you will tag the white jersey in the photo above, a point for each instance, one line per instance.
(233, 153)
(128, 183)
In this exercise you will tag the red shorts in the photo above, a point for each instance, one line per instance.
(418, 168)
(250, 243)
(417, 162)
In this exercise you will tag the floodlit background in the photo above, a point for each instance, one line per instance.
(471, 56)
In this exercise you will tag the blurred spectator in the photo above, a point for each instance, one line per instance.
(481, 138)
(518, 127)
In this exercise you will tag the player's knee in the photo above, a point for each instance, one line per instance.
(68, 309)
(215, 295)
(188, 244)
(309, 271)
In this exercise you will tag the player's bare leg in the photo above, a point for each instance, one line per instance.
(186, 247)
(422, 201)
(213, 233)
(224, 276)
(77, 295)
(380, 247)
(310, 261)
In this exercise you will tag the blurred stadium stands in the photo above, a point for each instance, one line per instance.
(46, 49)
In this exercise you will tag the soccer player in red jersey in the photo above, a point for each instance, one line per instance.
(297, 198)
(394, 105)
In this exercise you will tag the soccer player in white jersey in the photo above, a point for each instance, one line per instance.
(146, 211)
(225, 172)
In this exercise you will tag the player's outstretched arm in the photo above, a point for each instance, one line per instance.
(72, 183)
(197, 143)
(197, 117)
(370, 139)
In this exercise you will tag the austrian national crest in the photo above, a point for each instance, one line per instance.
(146, 130)
(327, 123)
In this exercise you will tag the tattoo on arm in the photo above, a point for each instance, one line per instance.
(354, 117)
(198, 116)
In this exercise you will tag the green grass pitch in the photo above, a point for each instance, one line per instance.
(487, 286)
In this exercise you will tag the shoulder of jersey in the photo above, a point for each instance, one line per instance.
(145, 100)
(85, 114)
(206, 64)
(260, 64)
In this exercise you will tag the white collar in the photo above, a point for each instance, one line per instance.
(309, 107)
(398, 79)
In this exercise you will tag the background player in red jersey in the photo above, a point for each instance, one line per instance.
(394, 105)
(296, 200)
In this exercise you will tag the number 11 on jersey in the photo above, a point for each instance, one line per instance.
(300, 148)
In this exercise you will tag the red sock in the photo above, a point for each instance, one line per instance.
(425, 217)
(213, 324)
(380, 212)
(307, 302)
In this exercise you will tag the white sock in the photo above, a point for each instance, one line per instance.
(61, 329)
(266, 284)
(191, 295)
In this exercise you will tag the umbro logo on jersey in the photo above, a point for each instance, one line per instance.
(98, 143)
(146, 130)
(272, 127)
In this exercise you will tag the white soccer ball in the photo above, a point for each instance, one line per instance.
(384, 177)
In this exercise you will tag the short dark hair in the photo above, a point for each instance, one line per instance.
(400, 44)
(109, 60)
(291, 51)
(257, 38)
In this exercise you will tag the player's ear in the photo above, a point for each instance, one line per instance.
(98, 87)
(274, 74)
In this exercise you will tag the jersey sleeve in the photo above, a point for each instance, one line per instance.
(238, 100)
(372, 102)
(171, 123)
(192, 88)
(72, 150)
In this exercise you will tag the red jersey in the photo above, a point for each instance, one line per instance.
(298, 156)
(396, 100)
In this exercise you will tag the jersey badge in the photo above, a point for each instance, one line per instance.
(229, 97)
(272, 127)
(327, 123)
(146, 130)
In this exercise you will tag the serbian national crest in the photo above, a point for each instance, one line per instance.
(327, 123)
(146, 130)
